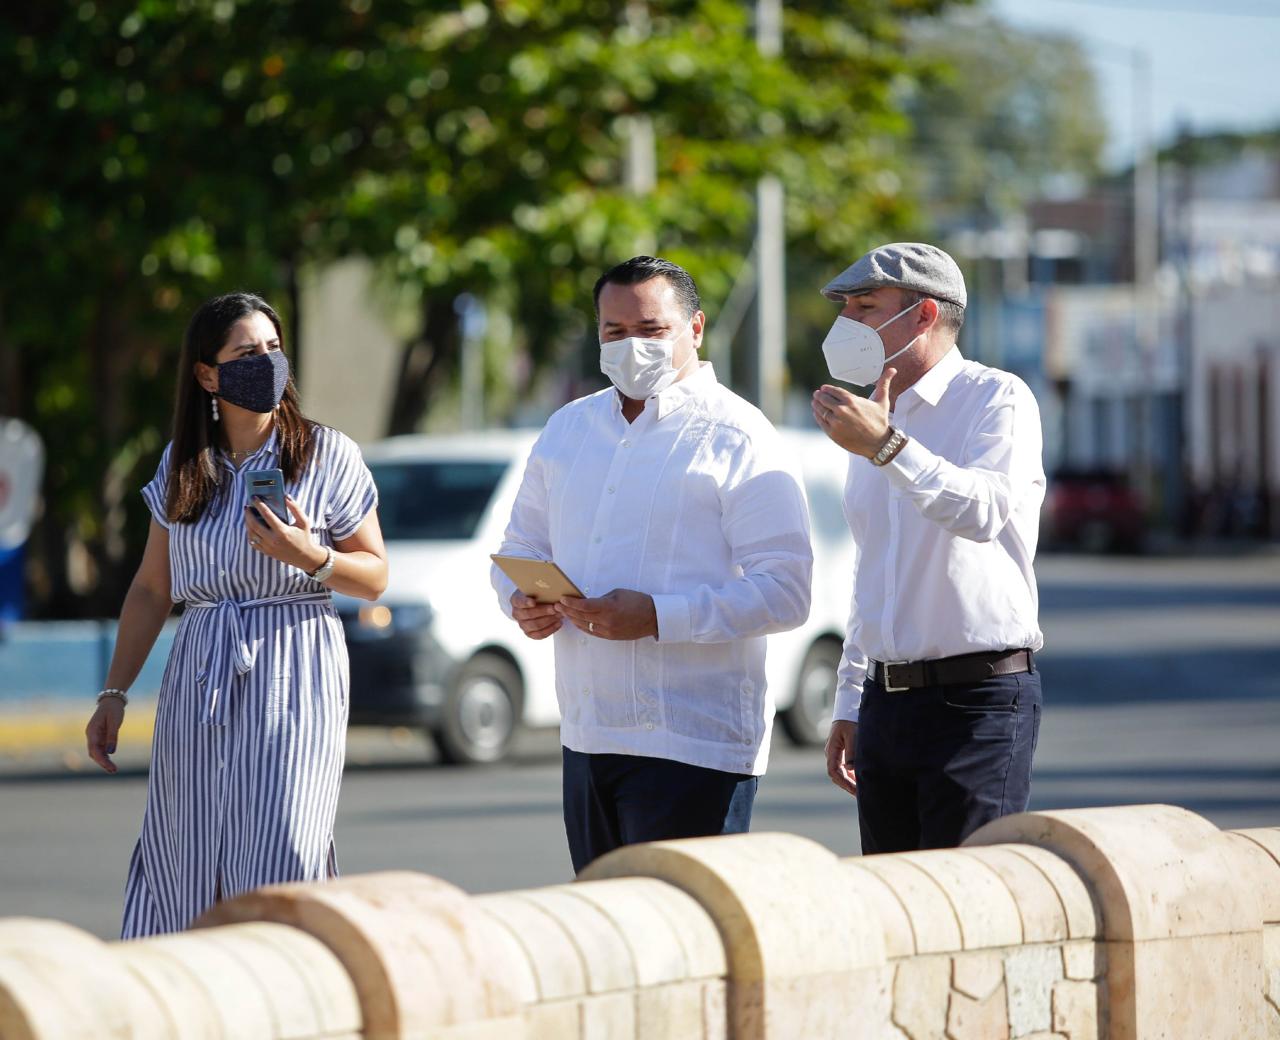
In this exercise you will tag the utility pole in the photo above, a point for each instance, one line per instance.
(472, 321)
(770, 251)
(640, 163)
(1146, 245)
(1184, 398)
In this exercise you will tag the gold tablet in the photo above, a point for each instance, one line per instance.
(538, 579)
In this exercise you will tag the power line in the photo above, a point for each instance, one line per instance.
(1193, 7)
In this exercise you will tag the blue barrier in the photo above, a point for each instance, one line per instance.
(43, 661)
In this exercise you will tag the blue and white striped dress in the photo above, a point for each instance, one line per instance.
(252, 713)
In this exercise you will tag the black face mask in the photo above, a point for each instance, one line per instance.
(255, 383)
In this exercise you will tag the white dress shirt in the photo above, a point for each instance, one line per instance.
(695, 504)
(946, 533)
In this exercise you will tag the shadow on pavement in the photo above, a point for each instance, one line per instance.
(1251, 674)
(1055, 597)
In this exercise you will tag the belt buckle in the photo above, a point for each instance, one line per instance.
(884, 676)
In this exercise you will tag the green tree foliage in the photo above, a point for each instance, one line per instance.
(158, 151)
(996, 113)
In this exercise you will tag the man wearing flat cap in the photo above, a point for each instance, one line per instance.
(938, 700)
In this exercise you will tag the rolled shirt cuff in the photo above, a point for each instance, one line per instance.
(848, 702)
(909, 465)
(675, 625)
(505, 589)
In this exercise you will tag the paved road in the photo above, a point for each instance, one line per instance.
(1162, 682)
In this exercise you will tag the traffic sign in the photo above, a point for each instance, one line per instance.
(21, 468)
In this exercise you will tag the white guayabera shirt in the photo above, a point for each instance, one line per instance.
(695, 504)
(946, 533)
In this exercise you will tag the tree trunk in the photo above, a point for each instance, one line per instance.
(294, 323)
(112, 354)
(425, 363)
(12, 398)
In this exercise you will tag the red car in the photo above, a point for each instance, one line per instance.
(1094, 510)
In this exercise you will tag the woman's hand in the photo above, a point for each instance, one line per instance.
(291, 545)
(103, 728)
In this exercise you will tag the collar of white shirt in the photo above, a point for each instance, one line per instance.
(678, 394)
(933, 384)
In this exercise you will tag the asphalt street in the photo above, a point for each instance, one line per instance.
(1162, 684)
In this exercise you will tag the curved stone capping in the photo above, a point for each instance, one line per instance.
(1183, 935)
(1157, 871)
(805, 955)
(287, 983)
(934, 925)
(635, 956)
(1041, 907)
(1262, 870)
(1107, 924)
(781, 902)
(57, 981)
(420, 953)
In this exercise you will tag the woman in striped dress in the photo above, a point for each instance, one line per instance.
(252, 713)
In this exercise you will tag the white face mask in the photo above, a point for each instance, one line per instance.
(855, 352)
(640, 368)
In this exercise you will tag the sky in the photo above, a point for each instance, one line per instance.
(1215, 64)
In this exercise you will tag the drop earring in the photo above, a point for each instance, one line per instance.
(214, 402)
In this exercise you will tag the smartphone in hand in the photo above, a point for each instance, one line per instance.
(268, 485)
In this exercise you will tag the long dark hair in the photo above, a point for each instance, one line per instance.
(195, 475)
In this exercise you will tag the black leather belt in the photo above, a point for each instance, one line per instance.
(948, 671)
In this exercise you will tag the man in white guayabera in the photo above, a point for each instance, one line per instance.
(668, 501)
(938, 701)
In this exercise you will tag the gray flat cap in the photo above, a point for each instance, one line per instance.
(901, 265)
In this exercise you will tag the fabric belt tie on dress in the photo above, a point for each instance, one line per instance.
(947, 671)
(229, 651)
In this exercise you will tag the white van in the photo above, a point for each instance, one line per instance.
(436, 652)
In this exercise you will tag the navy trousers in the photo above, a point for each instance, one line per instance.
(615, 800)
(936, 763)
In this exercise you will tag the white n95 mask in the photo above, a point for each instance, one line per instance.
(855, 352)
(640, 368)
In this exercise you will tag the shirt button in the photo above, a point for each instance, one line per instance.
(648, 725)
(611, 489)
(626, 444)
(597, 539)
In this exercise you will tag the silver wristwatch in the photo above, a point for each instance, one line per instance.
(890, 448)
(322, 572)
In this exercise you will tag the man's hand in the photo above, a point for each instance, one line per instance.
(622, 614)
(840, 744)
(857, 425)
(536, 620)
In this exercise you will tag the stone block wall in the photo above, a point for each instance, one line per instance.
(1131, 923)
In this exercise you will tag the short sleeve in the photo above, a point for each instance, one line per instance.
(352, 495)
(156, 493)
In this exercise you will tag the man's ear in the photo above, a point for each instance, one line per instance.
(699, 324)
(928, 314)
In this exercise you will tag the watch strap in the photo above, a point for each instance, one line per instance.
(325, 569)
(889, 448)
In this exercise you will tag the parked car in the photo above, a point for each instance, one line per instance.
(436, 652)
(1096, 510)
